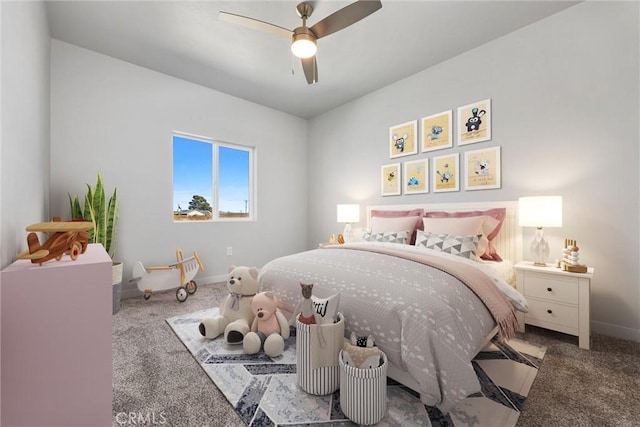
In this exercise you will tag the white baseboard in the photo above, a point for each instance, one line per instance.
(130, 290)
(615, 331)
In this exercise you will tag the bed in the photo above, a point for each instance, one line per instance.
(429, 306)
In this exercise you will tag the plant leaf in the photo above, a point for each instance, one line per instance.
(112, 219)
(89, 214)
(99, 212)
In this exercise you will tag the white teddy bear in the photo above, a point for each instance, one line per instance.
(235, 316)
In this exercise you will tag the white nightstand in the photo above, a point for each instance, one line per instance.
(558, 300)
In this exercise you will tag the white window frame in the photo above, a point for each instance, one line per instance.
(215, 204)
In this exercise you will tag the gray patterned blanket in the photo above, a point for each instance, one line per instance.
(427, 321)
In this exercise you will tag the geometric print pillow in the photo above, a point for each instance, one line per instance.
(387, 236)
(464, 246)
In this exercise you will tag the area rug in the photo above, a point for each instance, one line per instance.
(264, 393)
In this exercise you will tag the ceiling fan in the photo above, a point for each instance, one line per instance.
(303, 38)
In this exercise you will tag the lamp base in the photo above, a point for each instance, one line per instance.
(348, 235)
(540, 249)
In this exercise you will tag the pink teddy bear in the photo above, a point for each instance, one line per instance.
(269, 328)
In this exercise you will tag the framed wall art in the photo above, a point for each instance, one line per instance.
(446, 173)
(403, 139)
(482, 169)
(416, 177)
(474, 122)
(436, 131)
(390, 180)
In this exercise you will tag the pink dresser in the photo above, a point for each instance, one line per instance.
(56, 341)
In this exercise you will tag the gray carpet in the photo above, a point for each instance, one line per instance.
(156, 381)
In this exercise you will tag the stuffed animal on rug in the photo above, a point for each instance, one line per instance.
(307, 313)
(269, 329)
(361, 352)
(236, 315)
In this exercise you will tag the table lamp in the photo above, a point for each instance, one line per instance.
(348, 214)
(539, 212)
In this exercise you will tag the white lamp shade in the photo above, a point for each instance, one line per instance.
(541, 211)
(348, 213)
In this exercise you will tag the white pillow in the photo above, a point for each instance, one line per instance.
(464, 226)
(387, 236)
(464, 246)
(325, 309)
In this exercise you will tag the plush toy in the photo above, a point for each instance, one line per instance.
(361, 352)
(361, 341)
(306, 314)
(235, 316)
(269, 329)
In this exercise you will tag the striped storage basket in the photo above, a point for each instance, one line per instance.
(317, 351)
(363, 392)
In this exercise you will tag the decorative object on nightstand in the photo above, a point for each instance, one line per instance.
(558, 299)
(571, 257)
(539, 212)
(348, 214)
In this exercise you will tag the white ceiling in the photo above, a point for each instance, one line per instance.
(186, 39)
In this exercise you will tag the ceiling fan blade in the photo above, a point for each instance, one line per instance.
(310, 68)
(344, 17)
(255, 24)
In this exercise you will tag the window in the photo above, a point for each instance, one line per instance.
(212, 180)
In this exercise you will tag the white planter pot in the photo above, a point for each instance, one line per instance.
(117, 273)
(117, 286)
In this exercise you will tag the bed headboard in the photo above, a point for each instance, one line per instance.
(508, 243)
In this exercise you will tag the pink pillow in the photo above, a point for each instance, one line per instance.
(497, 213)
(418, 213)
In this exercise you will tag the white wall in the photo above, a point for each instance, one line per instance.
(24, 176)
(565, 104)
(111, 116)
(24, 123)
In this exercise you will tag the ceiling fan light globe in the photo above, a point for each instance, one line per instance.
(304, 48)
(303, 44)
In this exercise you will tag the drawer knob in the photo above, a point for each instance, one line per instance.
(550, 311)
(549, 289)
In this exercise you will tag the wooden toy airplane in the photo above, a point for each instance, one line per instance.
(63, 237)
(160, 278)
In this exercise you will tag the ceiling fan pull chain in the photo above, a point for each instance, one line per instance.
(293, 64)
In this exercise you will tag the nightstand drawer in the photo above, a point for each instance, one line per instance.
(551, 312)
(559, 289)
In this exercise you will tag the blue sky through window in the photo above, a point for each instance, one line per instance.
(193, 174)
(233, 176)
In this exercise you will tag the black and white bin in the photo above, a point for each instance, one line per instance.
(363, 392)
(317, 351)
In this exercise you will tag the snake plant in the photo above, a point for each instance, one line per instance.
(103, 214)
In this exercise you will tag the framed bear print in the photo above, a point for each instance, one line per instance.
(482, 169)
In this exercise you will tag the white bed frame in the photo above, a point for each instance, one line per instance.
(508, 244)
